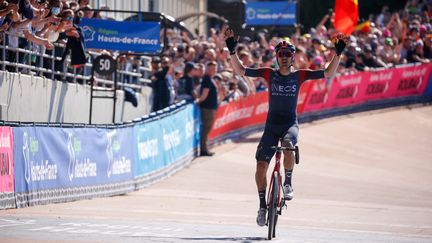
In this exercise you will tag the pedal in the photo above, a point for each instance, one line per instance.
(283, 204)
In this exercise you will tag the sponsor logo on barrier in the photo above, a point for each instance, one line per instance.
(261, 108)
(234, 116)
(318, 98)
(413, 73)
(350, 81)
(44, 171)
(301, 98)
(383, 76)
(4, 141)
(148, 149)
(347, 92)
(36, 171)
(5, 164)
(376, 88)
(189, 129)
(409, 84)
(116, 166)
(79, 169)
(6, 160)
(121, 166)
(171, 140)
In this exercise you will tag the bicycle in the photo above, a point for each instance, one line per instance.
(275, 202)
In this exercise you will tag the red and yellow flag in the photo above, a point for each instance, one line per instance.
(363, 27)
(346, 16)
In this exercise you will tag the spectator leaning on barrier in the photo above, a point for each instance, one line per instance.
(23, 26)
(208, 102)
(185, 90)
(75, 40)
(6, 8)
(158, 82)
(198, 74)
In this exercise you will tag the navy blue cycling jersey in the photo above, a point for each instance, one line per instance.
(283, 91)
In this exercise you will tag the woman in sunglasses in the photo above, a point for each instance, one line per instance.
(281, 124)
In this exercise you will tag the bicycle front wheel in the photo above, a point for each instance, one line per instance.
(272, 212)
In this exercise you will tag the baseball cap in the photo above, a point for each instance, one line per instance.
(388, 41)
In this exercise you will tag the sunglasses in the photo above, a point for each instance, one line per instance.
(69, 18)
(281, 54)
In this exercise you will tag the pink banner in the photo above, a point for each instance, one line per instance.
(246, 112)
(360, 87)
(317, 96)
(303, 96)
(6, 160)
(410, 80)
(347, 90)
(377, 85)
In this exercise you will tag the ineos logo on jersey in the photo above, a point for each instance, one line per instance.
(284, 90)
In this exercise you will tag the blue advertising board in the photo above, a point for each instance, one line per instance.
(142, 37)
(270, 13)
(162, 142)
(53, 158)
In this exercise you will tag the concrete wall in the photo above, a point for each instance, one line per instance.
(35, 99)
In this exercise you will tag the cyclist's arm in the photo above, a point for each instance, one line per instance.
(332, 67)
(308, 74)
(259, 72)
(237, 65)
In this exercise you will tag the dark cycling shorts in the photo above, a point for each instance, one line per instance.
(271, 136)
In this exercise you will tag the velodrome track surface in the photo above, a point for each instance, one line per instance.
(362, 178)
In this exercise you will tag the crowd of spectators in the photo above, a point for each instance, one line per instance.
(384, 41)
(37, 24)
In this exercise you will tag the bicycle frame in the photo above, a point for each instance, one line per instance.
(276, 170)
(275, 207)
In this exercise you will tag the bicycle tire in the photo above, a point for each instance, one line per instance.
(272, 212)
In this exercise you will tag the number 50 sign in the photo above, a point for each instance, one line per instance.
(104, 65)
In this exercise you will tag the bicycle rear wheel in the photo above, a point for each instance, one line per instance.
(272, 212)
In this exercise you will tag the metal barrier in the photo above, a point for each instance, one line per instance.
(34, 60)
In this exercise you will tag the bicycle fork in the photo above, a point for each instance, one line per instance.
(280, 200)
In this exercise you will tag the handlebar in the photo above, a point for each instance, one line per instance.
(277, 148)
(295, 149)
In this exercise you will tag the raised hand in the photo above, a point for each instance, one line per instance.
(340, 42)
(230, 42)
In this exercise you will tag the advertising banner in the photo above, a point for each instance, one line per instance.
(377, 84)
(51, 158)
(317, 96)
(304, 92)
(164, 141)
(411, 80)
(6, 160)
(143, 37)
(246, 112)
(270, 13)
(346, 90)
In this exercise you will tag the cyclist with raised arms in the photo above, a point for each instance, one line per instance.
(281, 124)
